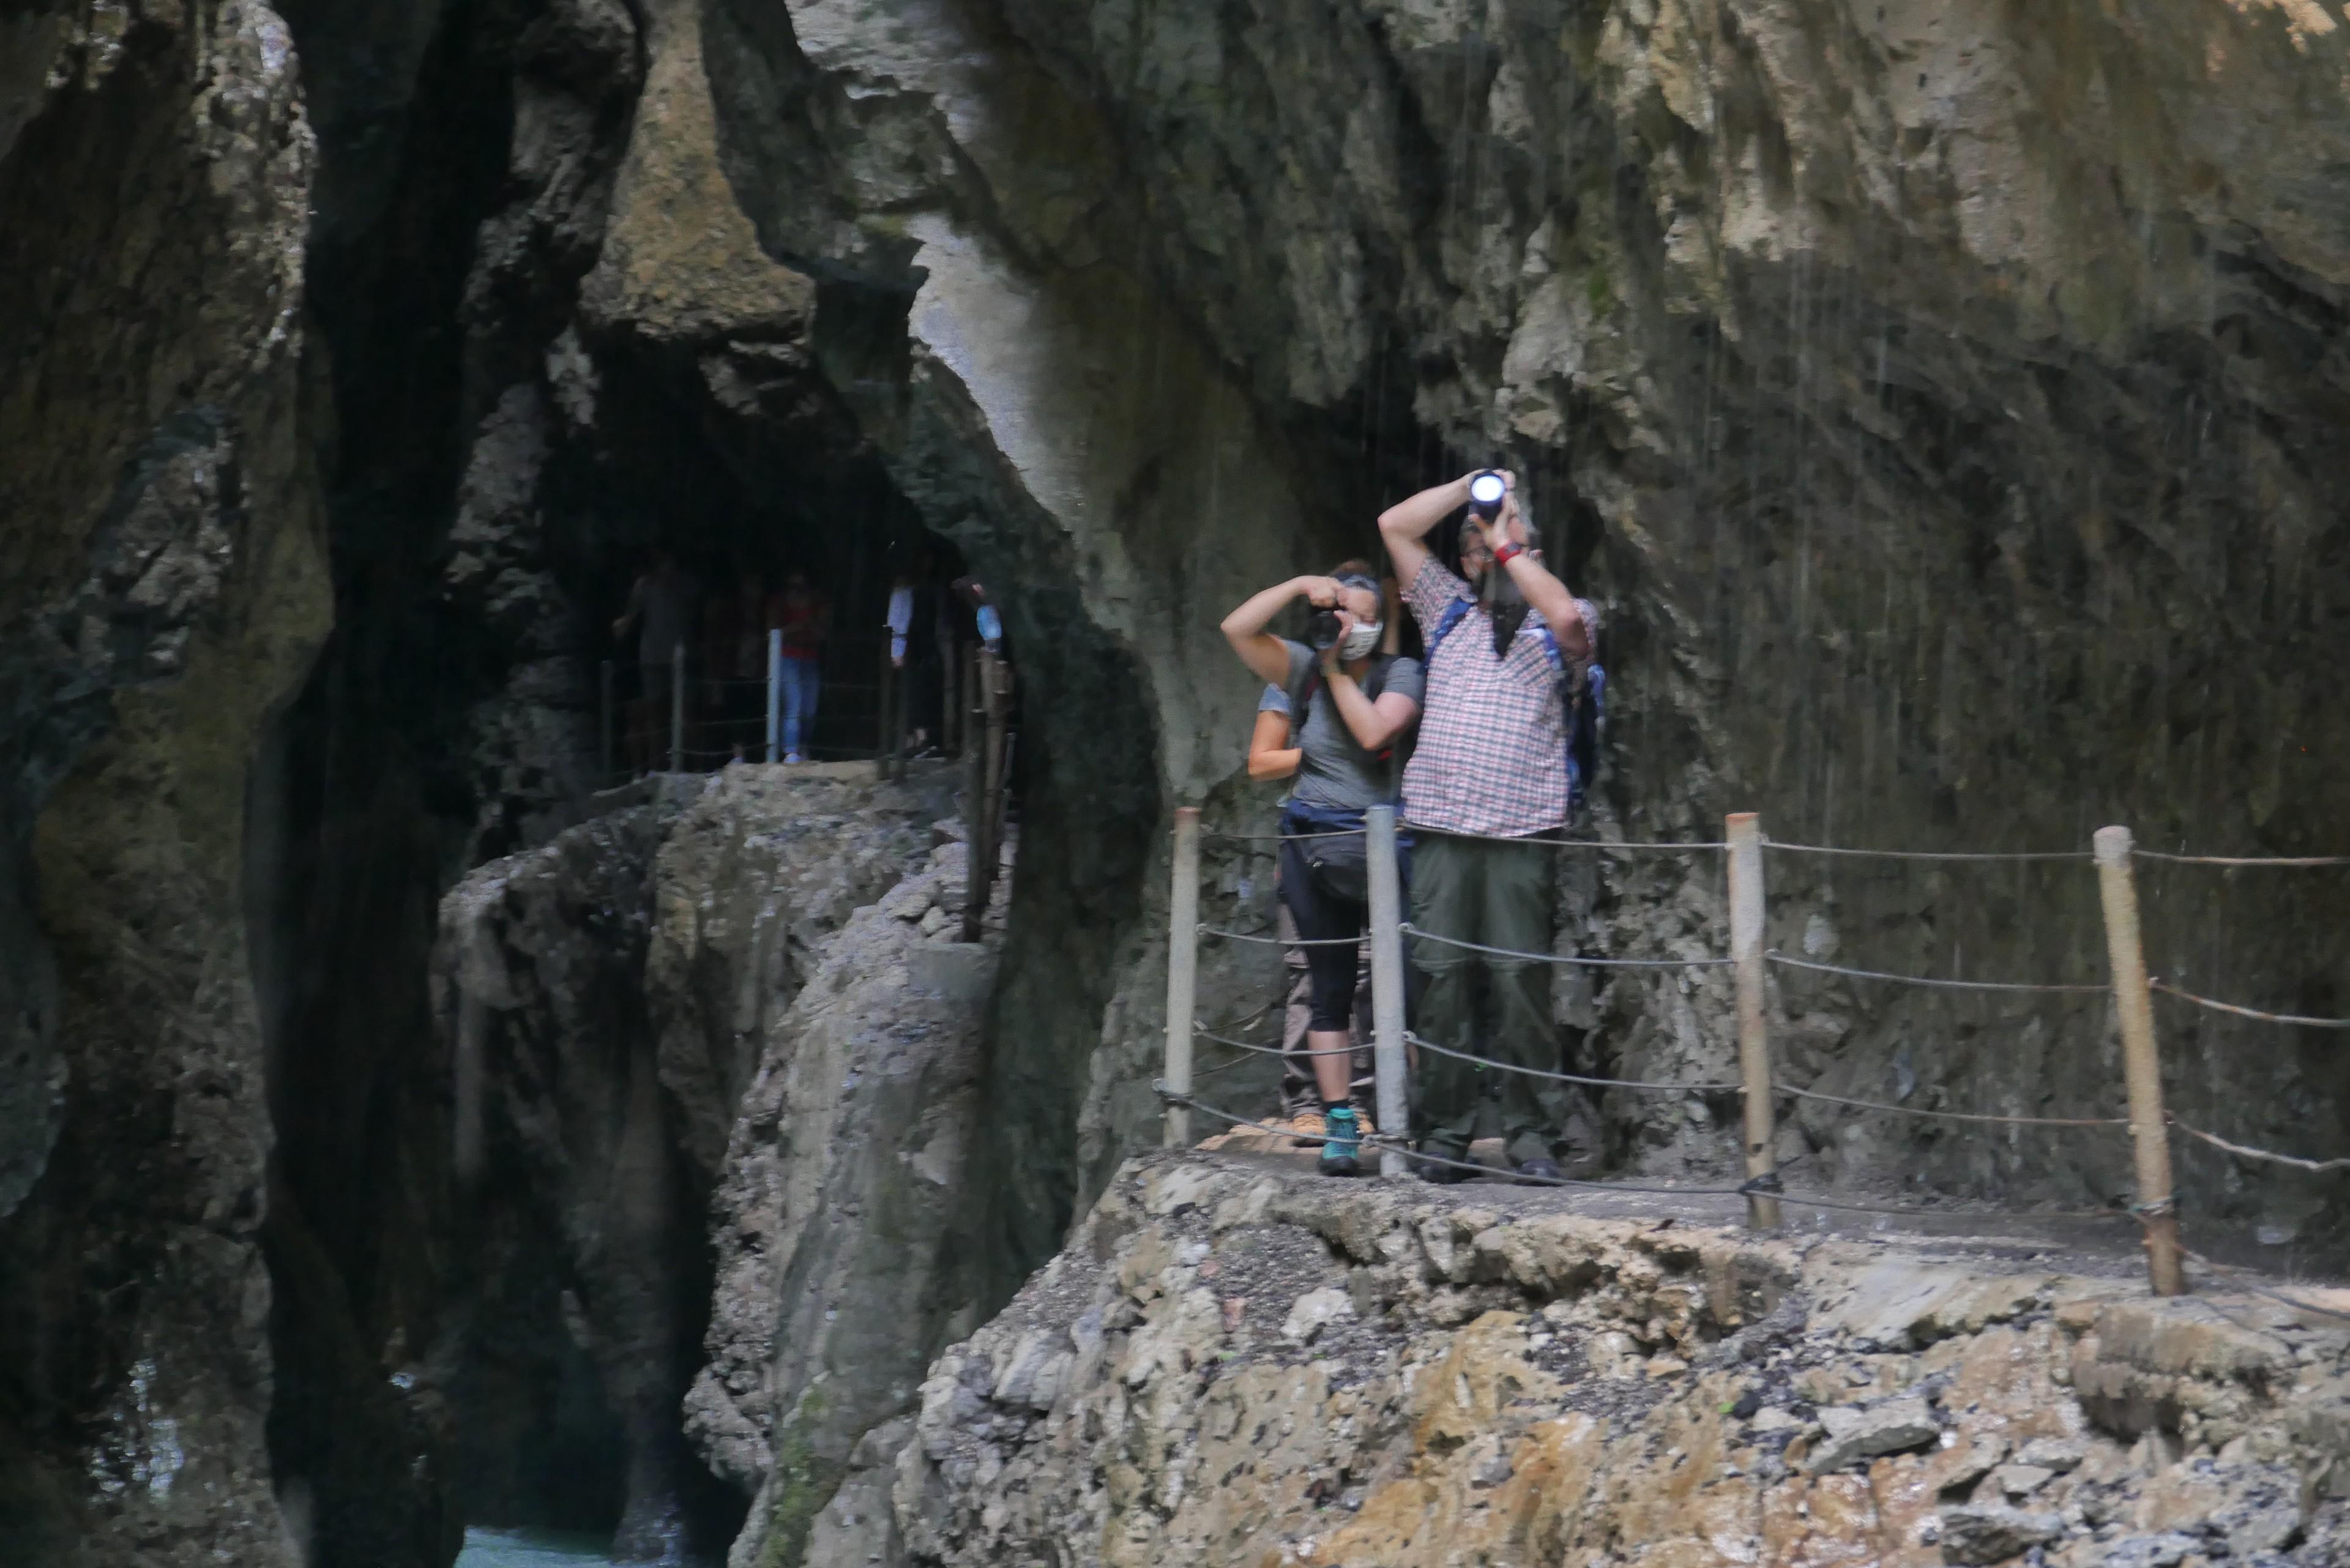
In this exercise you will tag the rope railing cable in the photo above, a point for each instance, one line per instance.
(1204, 1032)
(1278, 838)
(1250, 1020)
(1571, 1077)
(2280, 862)
(2294, 1019)
(1411, 931)
(1789, 1089)
(2259, 1290)
(1207, 930)
(1959, 855)
(2216, 1141)
(1630, 845)
(1775, 956)
(1690, 845)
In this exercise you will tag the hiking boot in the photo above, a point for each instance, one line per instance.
(1442, 1167)
(1308, 1128)
(1342, 1144)
(1541, 1173)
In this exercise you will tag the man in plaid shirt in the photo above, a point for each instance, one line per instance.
(1489, 768)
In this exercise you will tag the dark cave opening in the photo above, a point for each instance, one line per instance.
(663, 469)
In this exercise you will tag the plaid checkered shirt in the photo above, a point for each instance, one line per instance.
(1491, 756)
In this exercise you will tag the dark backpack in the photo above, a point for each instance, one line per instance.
(1586, 711)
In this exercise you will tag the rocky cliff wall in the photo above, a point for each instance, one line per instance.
(702, 997)
(1938, 397)
(1933, 395)
(1236, 1362)
(164, 589)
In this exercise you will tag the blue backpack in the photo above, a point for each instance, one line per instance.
(1586, 715)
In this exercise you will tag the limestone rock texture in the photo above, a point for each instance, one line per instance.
(842, 1266)
(164, 589)
(1932, 395)
(1498, 1378)
(701, 997)
(1938, 396)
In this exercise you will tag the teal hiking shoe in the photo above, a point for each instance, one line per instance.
(1342, 1143)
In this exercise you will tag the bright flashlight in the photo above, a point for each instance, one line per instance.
(1485, 493)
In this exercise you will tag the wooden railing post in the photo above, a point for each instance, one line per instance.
(1744, 832)
(1388, 985)
(884, 764)
(775, 693)
(1183, 970)
(977, 821)
(950, 718)
(610, 763)
(995, 697)
(2134, 1006)
(676, 710)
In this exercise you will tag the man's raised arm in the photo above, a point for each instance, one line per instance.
(1405, 525)
(1506, 536)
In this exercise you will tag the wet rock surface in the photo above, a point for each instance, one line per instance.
(1496, 1378)
(1942, 399)
(840, 1212)
(162, 591)
(601, 996)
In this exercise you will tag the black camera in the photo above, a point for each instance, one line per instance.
(1486, 493)
(1321, 629)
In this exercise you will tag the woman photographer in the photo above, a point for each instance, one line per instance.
(1350, 707)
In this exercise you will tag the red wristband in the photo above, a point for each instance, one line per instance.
(1508, 553)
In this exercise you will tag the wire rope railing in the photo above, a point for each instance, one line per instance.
(1886, 1108)
(2129, 988)
(2240, 862)
(1783, 961)
(1222, 935)
(1981, 856)
(2243, 1151)
(1645, 1086)
(2295, 1019)
(1579, 959)
(1630, 845)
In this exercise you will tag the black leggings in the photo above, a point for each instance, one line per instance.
(1330, 971)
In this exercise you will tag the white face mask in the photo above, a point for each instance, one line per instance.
(1359, 643)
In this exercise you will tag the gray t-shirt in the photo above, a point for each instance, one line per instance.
(1335, 773)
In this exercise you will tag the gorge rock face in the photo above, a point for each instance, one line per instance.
(1505, 1381)
(843, 1264)
(162, 595)
(1939, 397)
(607, 996)
(1805, 327)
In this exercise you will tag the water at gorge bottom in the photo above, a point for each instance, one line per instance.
(551, 1549)
(534, 1549)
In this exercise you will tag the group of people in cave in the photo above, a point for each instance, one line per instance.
(1484, 741)
(723, 636)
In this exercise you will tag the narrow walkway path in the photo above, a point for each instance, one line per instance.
(2097, 1247)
